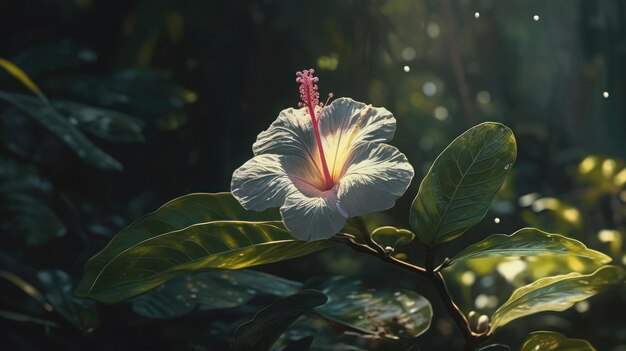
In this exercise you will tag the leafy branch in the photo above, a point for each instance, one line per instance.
(434, 276)
(199, 232)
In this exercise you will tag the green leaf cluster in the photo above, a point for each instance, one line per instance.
(191, 254)
(457, 193)
(188, 234)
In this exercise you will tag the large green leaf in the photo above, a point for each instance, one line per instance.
(213, 289)
(551, 341)
(389, 313)
(555, 294)
(56, 123)
(462, 182)
(529, 242)
(107, 124)
(260, 333)
(58, 287)
(190, 233)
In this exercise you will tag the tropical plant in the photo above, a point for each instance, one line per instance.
(327, 167)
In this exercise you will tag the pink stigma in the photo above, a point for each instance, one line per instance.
(310, 99)
(308, 87)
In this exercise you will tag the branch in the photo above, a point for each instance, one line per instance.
(472, 339)
(387, 258)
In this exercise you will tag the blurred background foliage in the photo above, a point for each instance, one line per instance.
(152, 99)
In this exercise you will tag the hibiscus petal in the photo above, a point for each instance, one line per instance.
(290, 134)
(262, 182)
(311, 214)
(376, 175)
(354, 122)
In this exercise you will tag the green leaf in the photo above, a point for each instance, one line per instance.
(22, 77)
(388, 236)
(110, 125)
(261, 332)
(191, 233)
(138, 91)
(529, 242)
(397, 313)
(58, 287)
(54, 56)
(62, 128)
(213, 289)
(326, 336)
(462, 182)
(24, 195)
(555, 294)
(551, 341)
(31, 217)
(364, 225)
(27, 288)
(20, 317)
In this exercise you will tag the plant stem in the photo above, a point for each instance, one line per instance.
(472, 339)
(368, 238)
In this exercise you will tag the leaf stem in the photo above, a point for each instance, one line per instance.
(434, 276)
(368, 238)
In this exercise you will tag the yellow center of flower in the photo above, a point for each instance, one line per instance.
(338, 148)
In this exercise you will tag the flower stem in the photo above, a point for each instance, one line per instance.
(472, 339)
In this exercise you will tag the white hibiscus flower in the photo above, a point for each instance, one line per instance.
(323, 164)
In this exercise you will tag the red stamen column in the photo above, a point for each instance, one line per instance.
(310, 99)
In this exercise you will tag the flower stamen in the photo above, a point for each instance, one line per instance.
(330, 96)
(310, 99)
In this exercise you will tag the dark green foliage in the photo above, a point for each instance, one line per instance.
(145, 101)
(26, 195)
(260, 333)
(205, 291)
(384, 312)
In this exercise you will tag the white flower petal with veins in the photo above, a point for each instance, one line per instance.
(262, 183)
(376, 176)
(345, 116)
(312, 214)
(290, 134)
